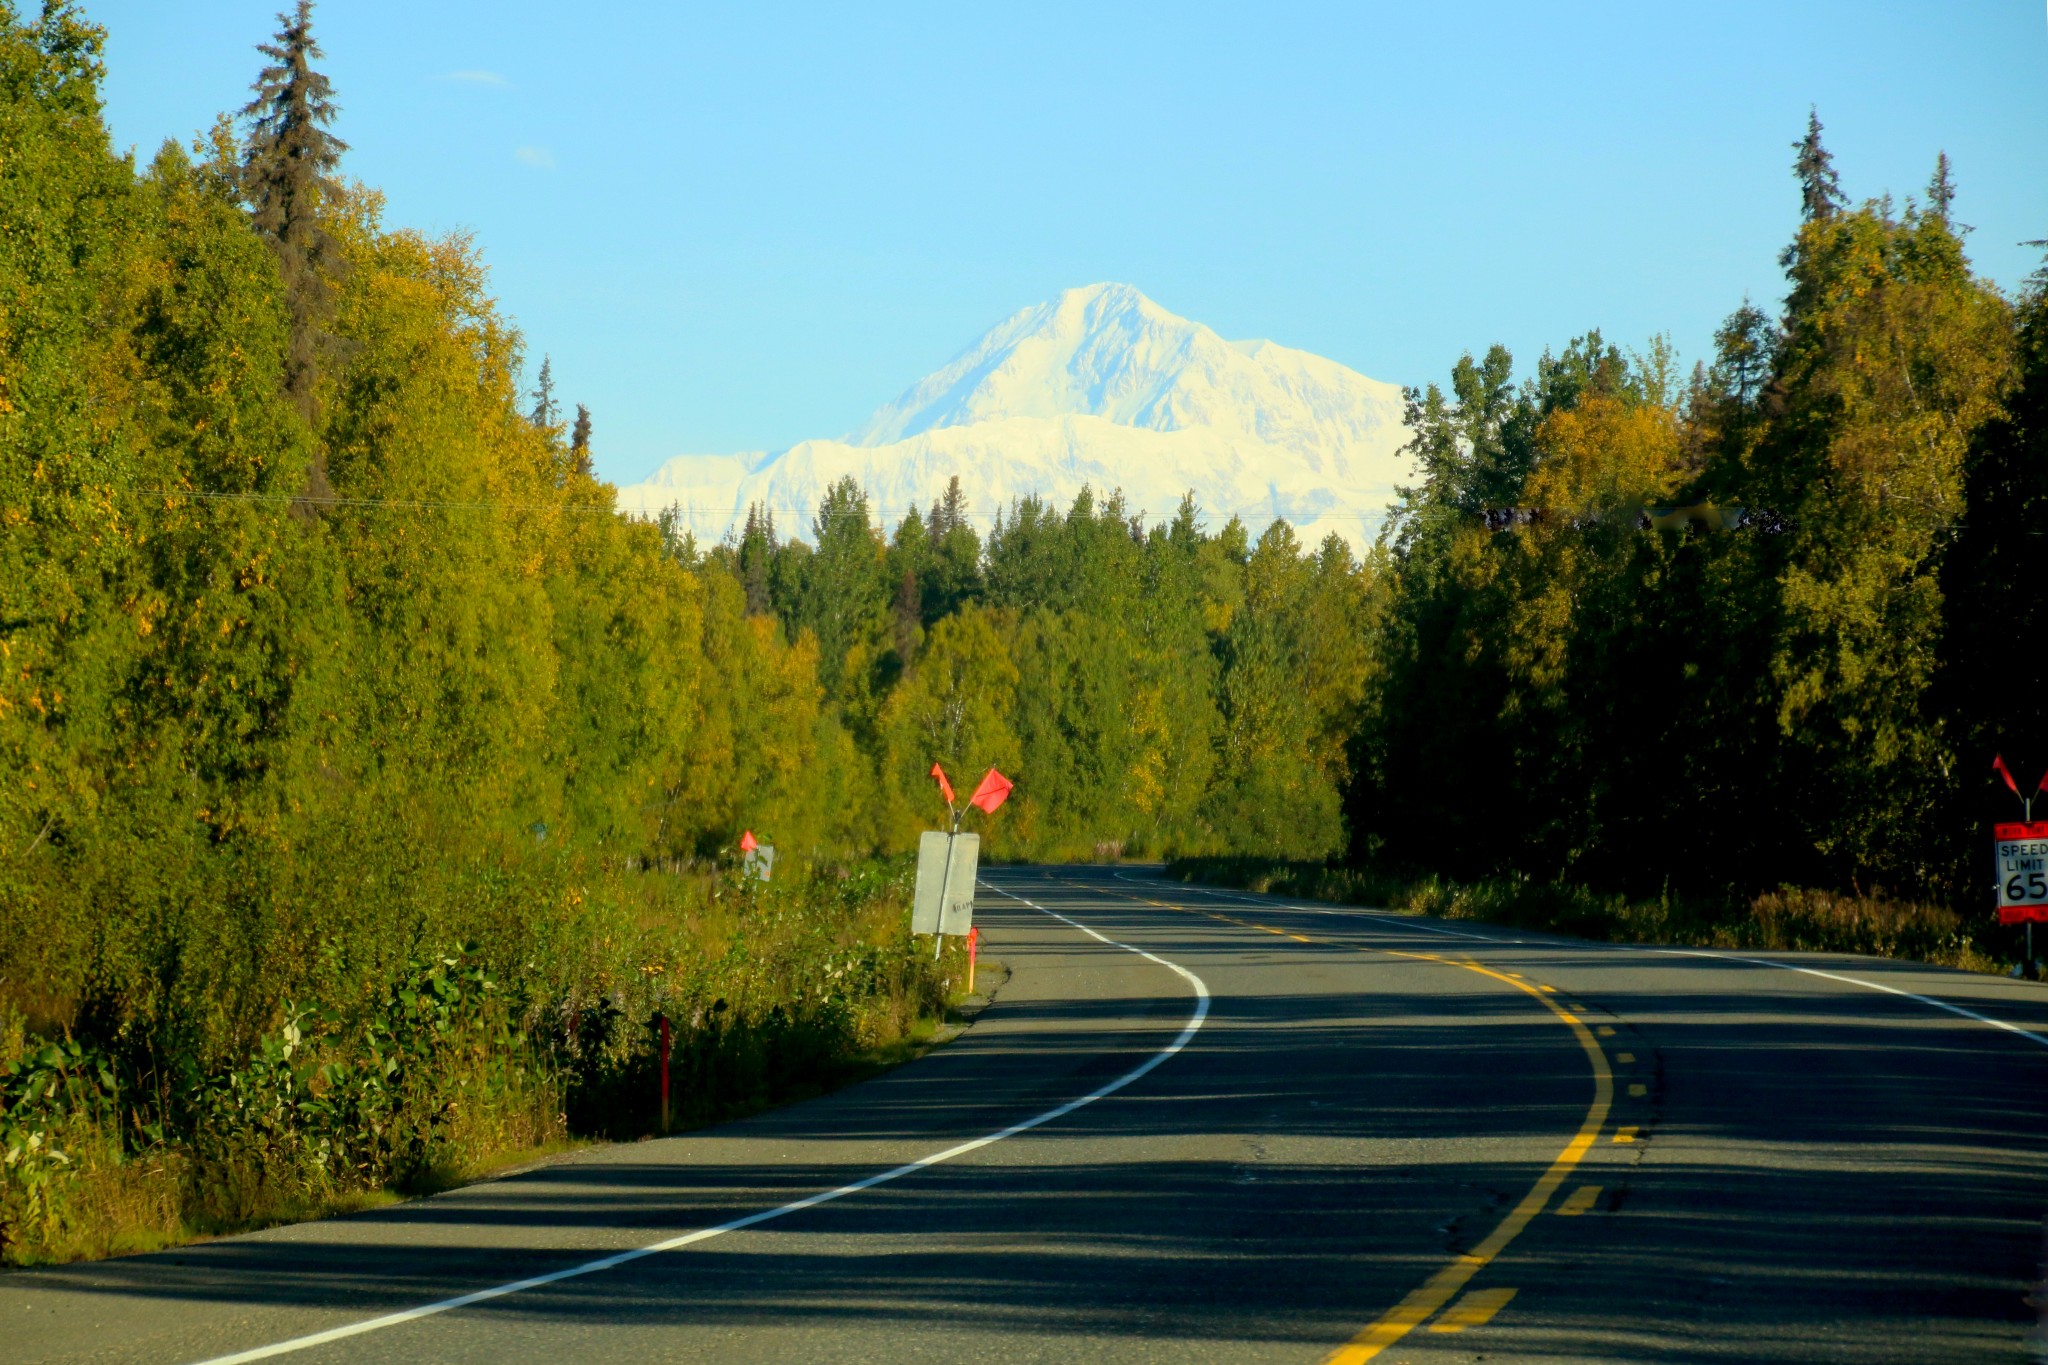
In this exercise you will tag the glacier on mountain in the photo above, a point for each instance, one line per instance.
(1099, 387)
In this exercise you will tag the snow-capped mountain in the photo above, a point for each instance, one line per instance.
(1099, 387)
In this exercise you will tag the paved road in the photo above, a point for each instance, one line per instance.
(1316, 1134)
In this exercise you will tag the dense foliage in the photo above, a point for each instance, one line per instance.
(1157, 690)
(371, 785)
(1583, 674)
(366, 776)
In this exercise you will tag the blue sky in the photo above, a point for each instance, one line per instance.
(734, 227)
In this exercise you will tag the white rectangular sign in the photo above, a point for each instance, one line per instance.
(959, 914)
(946, 867)
(2022, 851)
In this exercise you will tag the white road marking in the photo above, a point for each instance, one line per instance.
(1402, 922)
(354, 1329)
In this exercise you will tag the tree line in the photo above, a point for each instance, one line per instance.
(367, 778)
(1568, 685)
(322, 651)
(1157, 689)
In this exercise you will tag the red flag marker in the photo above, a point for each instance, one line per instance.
(748, 843)
(945, 787)
(1998, 762)
(993, 791)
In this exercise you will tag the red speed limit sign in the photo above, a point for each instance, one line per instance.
(2022, 871)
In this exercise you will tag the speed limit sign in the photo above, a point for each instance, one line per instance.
(2022, 871)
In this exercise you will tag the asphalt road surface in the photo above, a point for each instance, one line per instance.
(1232, 1128)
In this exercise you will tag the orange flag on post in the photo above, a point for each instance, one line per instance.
(993, 791)
(945, 787)
(748, 843)
(1998, 763)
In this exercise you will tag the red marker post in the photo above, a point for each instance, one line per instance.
(664, 1072)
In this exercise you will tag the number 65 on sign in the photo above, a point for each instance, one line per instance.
(2022, 871)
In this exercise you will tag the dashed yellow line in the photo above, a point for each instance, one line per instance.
(1439, 1289)
(1579, 1201)
(1476, 1309)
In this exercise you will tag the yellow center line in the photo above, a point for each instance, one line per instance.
(1476, 1309)
(1439, 1289)
(1579, 1200)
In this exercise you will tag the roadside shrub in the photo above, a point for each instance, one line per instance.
(1789, 919)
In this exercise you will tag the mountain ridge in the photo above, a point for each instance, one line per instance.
(1098, 386)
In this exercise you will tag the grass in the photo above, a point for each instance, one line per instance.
(111, 1204)
(459, 1064)
(1788, 919)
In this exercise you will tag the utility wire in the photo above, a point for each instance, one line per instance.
(437, 504)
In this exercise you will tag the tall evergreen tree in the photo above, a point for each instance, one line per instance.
(905, 626)
(545, 412)
(845, 598)
(756, 549)
(1820, 190)
(1941, 189)
(1745, 349)
(286, 176)
(952, 577)
(579, 443)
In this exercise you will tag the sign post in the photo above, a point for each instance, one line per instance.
(756, 858)
(2021, 852)
(2022, 859)
(947, 862)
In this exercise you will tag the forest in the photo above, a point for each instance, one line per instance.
(373, 787)
(1763, 625)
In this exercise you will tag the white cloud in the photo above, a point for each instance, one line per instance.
(478, 78)
(538, 157)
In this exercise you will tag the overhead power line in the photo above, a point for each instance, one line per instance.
(686, 509)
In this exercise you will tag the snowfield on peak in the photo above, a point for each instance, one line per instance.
(1099, 387)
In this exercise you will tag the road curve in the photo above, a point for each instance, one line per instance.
(1199, 1125)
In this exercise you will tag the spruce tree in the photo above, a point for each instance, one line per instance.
(286, 167)
(757, 548)
(905, 626)
(1745, 348)
(1941, 190)
(579, 443)
(1820, 190)
(846, 596)
(545, 413)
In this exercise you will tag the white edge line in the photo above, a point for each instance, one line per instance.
(1403, 922)
(427, 1310)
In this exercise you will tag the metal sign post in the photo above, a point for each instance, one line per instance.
(943, 902)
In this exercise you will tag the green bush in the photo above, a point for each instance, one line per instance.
(1788, 919)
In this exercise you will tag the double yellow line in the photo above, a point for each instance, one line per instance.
(1429, 1297)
